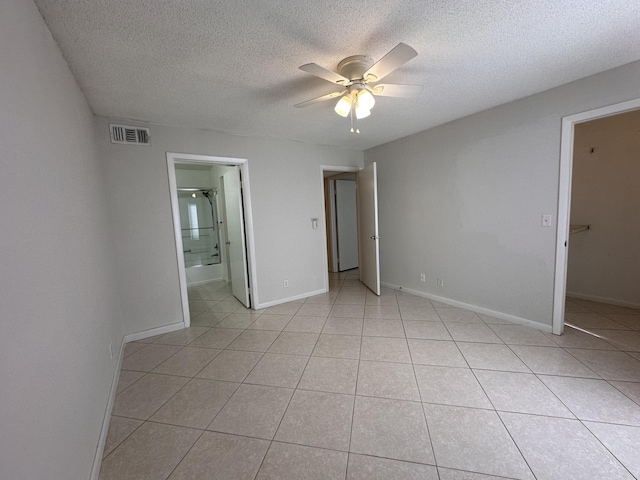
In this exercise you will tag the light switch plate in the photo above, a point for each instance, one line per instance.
(546, 220)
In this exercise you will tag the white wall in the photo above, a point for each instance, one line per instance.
(464, 201)
(286, 191)
(604, 262)
(58, 305)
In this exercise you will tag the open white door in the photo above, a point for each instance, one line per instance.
(347, 224)
(237, 257)
(368, 239)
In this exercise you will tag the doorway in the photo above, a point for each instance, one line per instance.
(236, 203)
(366, 223)
(342, 222)
(564, 200)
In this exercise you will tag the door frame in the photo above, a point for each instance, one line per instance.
(174, 159)
(564, 200)
(325, 254)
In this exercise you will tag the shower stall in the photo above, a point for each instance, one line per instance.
(200, 234)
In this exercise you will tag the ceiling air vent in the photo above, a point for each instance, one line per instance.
(129, 135)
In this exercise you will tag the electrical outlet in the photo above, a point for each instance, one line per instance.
(423, 277)
(110, 351)
(440, 281)
(286, 284)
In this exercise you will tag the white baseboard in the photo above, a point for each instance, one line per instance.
(132, 337)
(610, 301)
(474, 308)
(97, 461)
(289, 299)
(102, 440)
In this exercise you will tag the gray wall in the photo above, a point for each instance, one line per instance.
(464, 201)
(58, 305)
(286, 192)
(604, 262)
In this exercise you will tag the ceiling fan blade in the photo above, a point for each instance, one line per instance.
(318, 71)
(392, 90)
(399, 55)
(320, 99)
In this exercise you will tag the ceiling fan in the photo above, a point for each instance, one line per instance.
(357, 75)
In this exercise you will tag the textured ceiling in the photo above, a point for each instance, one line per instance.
(232, 65)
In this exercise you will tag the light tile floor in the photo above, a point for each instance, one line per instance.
(347, 385)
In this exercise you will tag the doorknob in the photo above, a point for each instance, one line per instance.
(374, 237)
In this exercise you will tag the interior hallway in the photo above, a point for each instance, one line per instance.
(347, 385)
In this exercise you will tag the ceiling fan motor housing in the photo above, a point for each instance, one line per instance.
(353, 67)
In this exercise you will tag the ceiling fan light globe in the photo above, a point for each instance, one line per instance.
(362, 112)
(366, 100)
(343, 107)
